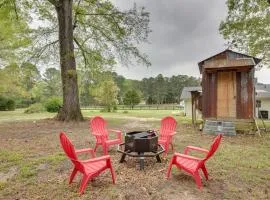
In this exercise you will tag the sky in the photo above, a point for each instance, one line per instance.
(184, 32)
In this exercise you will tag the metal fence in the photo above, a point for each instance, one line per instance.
(137, 107)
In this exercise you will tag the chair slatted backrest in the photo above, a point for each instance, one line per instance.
(98, 125)
(168, 126)
(70, 151)
(214, 146)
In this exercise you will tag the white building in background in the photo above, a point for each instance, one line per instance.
(262, 101)
(185, 101)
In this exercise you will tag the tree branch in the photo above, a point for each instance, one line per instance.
(56, 3)
(82, 50)
(15, 9)
(76, 16)
(42, 49)
(102, 14)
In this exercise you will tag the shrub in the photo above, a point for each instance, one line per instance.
(10, 104)
(6, 104)
(3, 103)
(35, 108)
(24, 102)
(53, 104)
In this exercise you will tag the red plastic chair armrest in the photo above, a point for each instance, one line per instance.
(187, 156)
(195, 149)
(118, 132)
(101, 158)
(85, 151)
(96, 134)
(172, 134)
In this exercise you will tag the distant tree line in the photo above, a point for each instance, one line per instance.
(26, 85)
(153, 90)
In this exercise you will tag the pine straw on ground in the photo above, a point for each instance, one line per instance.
(33, 165)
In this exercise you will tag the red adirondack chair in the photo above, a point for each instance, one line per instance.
(166, 132)
(99, 130)
(192, 164)
(89, 168)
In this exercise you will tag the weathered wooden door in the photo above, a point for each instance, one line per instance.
(226, 95)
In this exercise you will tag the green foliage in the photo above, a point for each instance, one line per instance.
(132, 98)
(106, 94)
(10, 104)
(53, 104)
(35, 108)
(29, 75)
(14, 31)
(247, 27)
(153, 90)
(161, 89)
(52, 82)
(6, 104)
(3, 103)
(10, 82)
(23, 102)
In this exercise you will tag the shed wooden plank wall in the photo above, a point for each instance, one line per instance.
(226, 94)
(245, 94)
(209, 98)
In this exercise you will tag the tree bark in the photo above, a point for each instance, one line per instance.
(71, 107)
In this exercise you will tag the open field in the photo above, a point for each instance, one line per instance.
(33, 165)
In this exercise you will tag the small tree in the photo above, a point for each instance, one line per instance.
(132, 98)
(106, 94)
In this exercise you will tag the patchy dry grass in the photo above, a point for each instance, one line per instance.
(33, 165)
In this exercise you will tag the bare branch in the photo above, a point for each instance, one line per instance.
(102, 14)
(42, 49)
(82, 50)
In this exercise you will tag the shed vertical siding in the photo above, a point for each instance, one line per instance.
(209, 99)
(245, 94)
(226, 93)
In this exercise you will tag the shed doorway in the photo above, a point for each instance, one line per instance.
(226, 94)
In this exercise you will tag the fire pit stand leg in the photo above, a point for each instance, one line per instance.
(141, 160)
(158, 158)
(123, 158)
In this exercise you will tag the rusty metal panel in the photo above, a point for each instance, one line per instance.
(245, 95)
(213, 96)
(225, 63)
(239, 107)
(209, 95)
(205, 91)
(250, 82)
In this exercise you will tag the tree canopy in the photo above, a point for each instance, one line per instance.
(131, 98)
(14, 32)
(247, 27)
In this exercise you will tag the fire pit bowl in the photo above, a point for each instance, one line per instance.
(140, 144)
(141, 141)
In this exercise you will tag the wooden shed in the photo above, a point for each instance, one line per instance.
(228, 86)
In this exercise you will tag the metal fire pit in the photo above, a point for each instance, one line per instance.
(141, 144)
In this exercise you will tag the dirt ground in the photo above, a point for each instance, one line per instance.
(33, 165)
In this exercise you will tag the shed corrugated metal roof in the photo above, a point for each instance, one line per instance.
(228, 51)
(186, 92)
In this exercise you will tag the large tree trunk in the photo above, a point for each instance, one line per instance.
(71, 107)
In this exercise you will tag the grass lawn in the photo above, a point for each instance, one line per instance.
(19, 115)
(33, 165)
